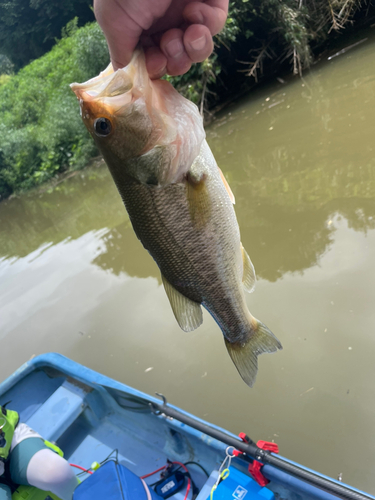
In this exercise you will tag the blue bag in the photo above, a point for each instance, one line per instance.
(113, 481)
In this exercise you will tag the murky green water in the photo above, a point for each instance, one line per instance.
(300, 160)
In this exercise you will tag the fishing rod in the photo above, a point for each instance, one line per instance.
(252, 451)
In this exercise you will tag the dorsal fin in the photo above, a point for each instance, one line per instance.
(248, 277)
(227, 187)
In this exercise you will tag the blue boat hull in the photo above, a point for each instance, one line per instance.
(89, 415)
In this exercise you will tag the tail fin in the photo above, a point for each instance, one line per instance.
(245, 356)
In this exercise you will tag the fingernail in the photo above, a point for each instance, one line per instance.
(174, 48)
(198, 18)
(159, 74)
(199, 43)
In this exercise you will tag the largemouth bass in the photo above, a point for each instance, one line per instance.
(179, 203)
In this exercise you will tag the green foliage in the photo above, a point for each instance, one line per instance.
(257, 30)
(41, 132)
(4, 79)
(193, 84)
(28, 28)
(6, 66)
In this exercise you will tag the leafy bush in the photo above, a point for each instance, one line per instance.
(41, 130)
(29, 28)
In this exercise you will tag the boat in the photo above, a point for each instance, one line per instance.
(119, 437)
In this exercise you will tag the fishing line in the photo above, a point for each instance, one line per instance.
(223, 470)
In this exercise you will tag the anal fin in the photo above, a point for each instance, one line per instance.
(187, 312)
(248, 277)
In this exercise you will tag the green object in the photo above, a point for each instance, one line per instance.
(31, 493)
(54, 448)
(8, 422)
(95, 466)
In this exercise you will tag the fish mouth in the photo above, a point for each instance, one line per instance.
(111, 90)
(96, 84)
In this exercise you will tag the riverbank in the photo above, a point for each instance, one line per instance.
(41, 131)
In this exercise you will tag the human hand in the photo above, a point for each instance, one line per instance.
(173, 33)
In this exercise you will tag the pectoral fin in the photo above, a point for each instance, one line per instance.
(248, 277)
(199, 201)
(187, 312)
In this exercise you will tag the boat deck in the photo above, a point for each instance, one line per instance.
(88, 424)
(89, 416)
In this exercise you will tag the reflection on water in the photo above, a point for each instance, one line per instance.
(299, 158)
(121, 248)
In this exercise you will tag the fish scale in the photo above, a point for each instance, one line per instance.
(191, 258)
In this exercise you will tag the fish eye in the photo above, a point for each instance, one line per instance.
(102, 127)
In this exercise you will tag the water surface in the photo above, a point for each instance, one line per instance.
(299, 158)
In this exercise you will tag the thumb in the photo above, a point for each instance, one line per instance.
(121, 32)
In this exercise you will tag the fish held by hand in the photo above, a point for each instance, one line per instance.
(179, 203)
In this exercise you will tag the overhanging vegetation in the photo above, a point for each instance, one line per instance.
(41, 133)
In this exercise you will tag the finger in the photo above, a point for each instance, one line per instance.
(212, 14)
(172, 45)
(156, 62)
(121, 32)
(198, 42)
